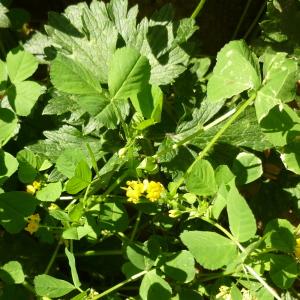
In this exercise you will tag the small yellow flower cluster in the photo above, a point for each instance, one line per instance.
(32, 188)
(136, 189)
(297, 248)
(33, 223)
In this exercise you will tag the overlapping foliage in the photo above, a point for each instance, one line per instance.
(146, 164)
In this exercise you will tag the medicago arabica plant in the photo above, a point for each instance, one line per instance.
(156, 172)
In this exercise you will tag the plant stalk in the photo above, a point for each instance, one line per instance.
(198, 9)
(258, 16)
(119, 285)
(236, 31)
(53, 257)
(94, 253)
(208, 147)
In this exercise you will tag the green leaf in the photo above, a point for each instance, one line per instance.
(237, 70)
(14, 208)
(50, 193)
(27, 166)
(12, 273)
(70, 76)
(201, 179)
(8, 166)
(179, 266)
(20, 65)
(23, 95)
(113, 216)
(241, 219)
(284, 270)
(291, 157)
(4, 20)
(281, 126)
(280, 75)
(129, 72)
(81, 179)
(247, 167)
(3, 73)
(210, 249)
(8, 125)
(154, 287)
(280, 235)
(49, 286)
(72, 264)
(149, 102)
(77, 233)
(68, 161)
(244, 132)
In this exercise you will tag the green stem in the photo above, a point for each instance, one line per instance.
(119, 285)
(198, 9)
(241, 19)
(94, 253)
(213, 141)
(28, 287)
(258, 16)
(53, 257)
(137, 222)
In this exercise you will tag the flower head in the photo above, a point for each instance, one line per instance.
(154, 190)
(32, 188)
(33, 223)
(134, 190)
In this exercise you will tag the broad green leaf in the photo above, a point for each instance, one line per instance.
(70, 76)
(179, 266)
(8, 125)
(14, 208)
(237, 70)
(280, 235)
(77, 233)
(241, 219)
(60, 105)
(291, 156)
(23, 95)
(113, 216)
(68, 160)
(129, 73)
(154, 287)
(281, 126)
(81, 179)
(52, 147)
(284, 270)
(235, 293)
(280, 75)
(219, 202)
(3, 74)
(210, 249)
(201, 179)
(50, 193)
(223, 175)
(149, 102)
(20, 65)
(72, 264)
(8, 166)
(76, 211)
(12, 273)
(49, 286)
(247, 167)
(27, 166)
(244, 132)
(143, 256)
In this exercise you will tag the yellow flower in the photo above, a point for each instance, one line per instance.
(154, 190)
(32, 188)
(297, 248)
(134, 190)
(33, 223)
(36, 185)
